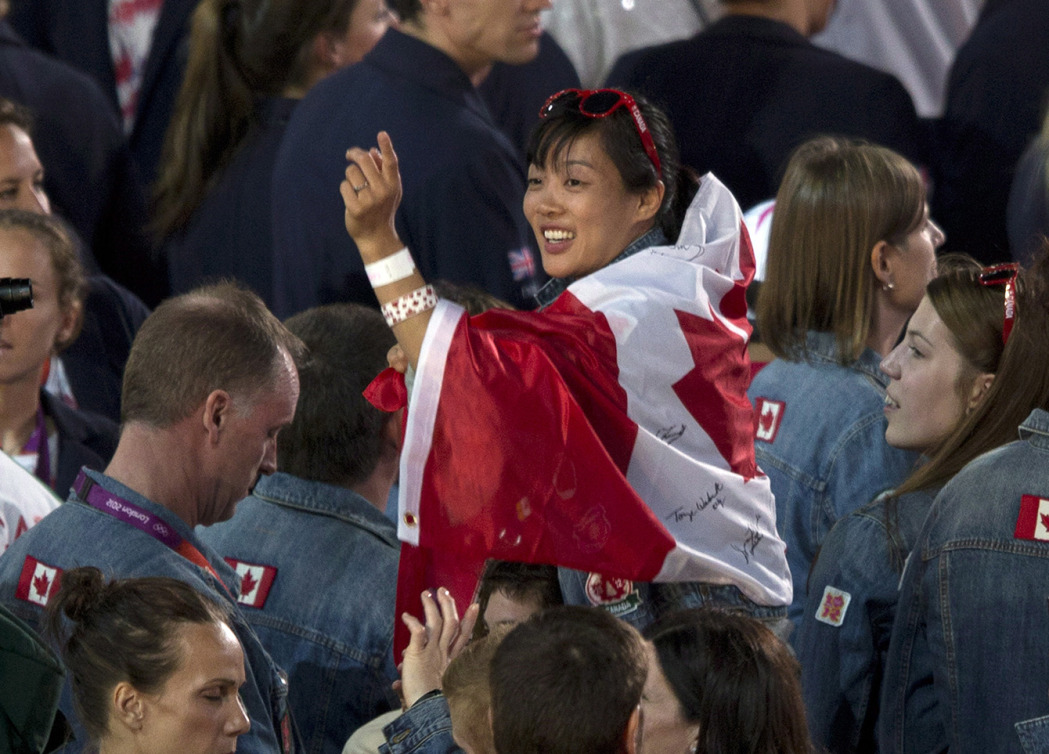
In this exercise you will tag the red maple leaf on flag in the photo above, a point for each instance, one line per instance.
(1045, 520)
(247, 584)
(766, 418)
(41, 584)
(718, 371)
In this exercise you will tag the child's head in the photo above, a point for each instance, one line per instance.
(466, 686)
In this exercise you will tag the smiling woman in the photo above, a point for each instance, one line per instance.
(609, 432)
(154, 664)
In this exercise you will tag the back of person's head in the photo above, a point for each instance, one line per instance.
(838, 199)
(526, 587)
(239, 51)
(337, 435)
(18, 226)
(1021, 383)
(218, 337)
(466, 685)
(567, 681)
(122, 631)
(735, 679)
(563, 122)
(473, 299)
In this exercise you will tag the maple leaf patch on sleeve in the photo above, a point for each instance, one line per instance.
(256, 580)
(38, 582)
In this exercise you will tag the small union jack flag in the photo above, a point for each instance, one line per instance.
(522, 264)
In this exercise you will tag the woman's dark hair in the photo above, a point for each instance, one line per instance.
(240, 50)
(123, 630)
(736, 679)
(551, 138)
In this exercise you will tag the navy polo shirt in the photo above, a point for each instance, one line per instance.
(463, 184)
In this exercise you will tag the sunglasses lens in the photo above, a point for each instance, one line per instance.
(600, 103)
(560, 101)
(990, 277)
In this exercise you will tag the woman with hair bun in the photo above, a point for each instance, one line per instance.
(154, 665)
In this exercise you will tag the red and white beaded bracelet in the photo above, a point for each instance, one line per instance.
(410, 304)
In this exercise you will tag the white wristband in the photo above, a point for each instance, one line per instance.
(390, 269)
(418, 301)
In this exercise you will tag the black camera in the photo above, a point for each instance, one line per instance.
(16, 294)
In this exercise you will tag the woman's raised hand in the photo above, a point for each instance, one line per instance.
(371, 192)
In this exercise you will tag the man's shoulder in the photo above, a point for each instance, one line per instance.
(279, 532)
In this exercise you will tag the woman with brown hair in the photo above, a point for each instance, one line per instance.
(949, 400)
(850, 252)
(250, 63)
(47, 437)
(154, 665)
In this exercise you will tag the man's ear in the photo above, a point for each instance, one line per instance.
(129, 706)
(632, 735)
(217, 408)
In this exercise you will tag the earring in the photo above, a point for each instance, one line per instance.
(889, 286)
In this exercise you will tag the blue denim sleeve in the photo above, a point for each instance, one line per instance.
(426, 728)
(909, 695)
(845, 630)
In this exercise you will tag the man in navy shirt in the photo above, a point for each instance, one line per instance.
(463, 184)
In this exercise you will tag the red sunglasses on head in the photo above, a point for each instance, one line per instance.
(1003, 274)
(600, 103)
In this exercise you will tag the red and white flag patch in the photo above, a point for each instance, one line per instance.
(1033, 521)
(38, 582)
(770, 414)
(255, 582)
(833, 606)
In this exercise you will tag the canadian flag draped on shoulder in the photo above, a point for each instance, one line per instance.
(610, 432)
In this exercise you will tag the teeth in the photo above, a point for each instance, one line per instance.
(558, 235)
(890, 402)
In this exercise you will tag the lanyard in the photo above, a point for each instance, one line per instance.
(39, 444)
(123, 510)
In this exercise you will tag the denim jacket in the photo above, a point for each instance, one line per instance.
(425, 728)
(821, 441)
(848, 617)
(77, 535)
(322, 562)
(969, 654)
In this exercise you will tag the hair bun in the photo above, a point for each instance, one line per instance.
(81, 591)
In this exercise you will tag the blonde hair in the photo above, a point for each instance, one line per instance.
(469, 693)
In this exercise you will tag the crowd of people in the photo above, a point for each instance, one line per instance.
(382, 389)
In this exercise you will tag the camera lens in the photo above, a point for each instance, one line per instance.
(16, 294)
